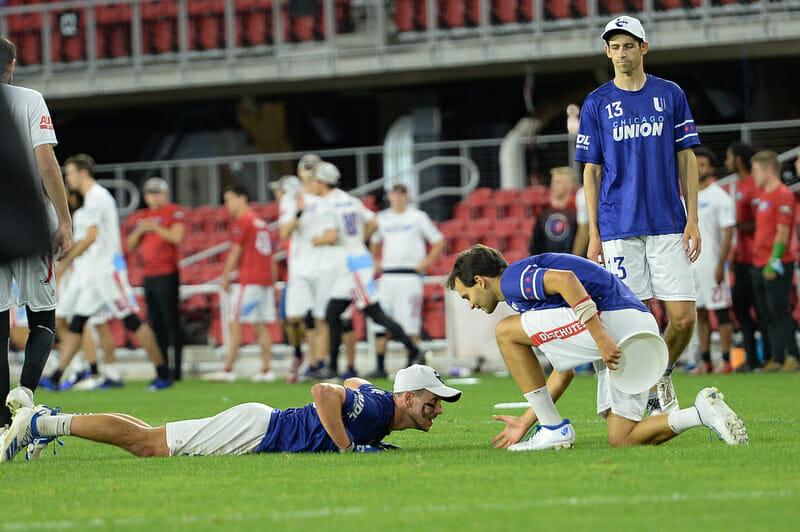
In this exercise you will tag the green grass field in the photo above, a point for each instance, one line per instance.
(448, 479)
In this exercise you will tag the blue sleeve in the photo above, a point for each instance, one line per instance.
(588, 147)
(685, 131)
(362, 414)
(523, 281)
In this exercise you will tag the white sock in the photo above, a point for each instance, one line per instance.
(58, 425)
(542, 404)
(685, 419)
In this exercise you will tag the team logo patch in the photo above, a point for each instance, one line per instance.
(659, 103)
(557, 227)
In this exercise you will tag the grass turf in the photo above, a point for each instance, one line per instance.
(448, 479)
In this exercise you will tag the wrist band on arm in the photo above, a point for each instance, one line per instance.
(777, 250)
(585, 309)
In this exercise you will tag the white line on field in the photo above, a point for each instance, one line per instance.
(320, 513)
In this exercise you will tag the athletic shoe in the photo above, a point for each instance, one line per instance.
(348, 375)
(771, 367)
(294, 367)
(20, 434)
(18, 398)
(220, 376)
(653, 407)
(667, 399)
(717, 415)
(107, 382)
(37, 447)
(378, 374)
(790, 365)
(702, 368)
(323, 374)
(159, 384)
(75, 379)
(264, 376)
(744, 368)
(561, 436)
(47, 384)
(724, 368)
(418, 357)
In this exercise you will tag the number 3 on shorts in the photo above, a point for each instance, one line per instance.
(619, 269)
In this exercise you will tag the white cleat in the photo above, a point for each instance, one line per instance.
(717, 415)
(561, 436)
(19, 397)
(264, 376)
(19, 435)
(219, 376)
(666, 396)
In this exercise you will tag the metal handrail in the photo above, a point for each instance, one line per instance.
(130, 188)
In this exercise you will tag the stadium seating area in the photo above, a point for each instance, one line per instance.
(303, 20)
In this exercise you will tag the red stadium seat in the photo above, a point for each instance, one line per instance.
(494, 240)
(504, 11)
(473, 12)
(68, 35)
(518, 241)
(479, 196)
(516, 209)
(526, 13)
(206, 29)
(478, 228)
(404, 15)
(113, 24)
(421, 13)
(25, 31)
(506, 227)
(557, 9)
(462, 211)
(251, 21)
(514, 255)
(453, 13)
(159, 26)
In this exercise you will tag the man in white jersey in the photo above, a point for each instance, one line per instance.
(399, 250)
(106, 284)
(345, 225)
(34, 276)
(717, 218)
(636, 134)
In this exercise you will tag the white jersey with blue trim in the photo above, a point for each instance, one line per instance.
(522, 284)
(347, 214)
(404, 235)
(635, 135)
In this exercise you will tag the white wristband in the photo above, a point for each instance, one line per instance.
(585, 309)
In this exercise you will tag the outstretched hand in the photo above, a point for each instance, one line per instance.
(511, 434)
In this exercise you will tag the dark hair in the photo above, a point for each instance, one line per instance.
(8, 52)
(477, 260)
(82, 162)
(617, 32)
(702, 151)
(237, 189)
(744, 151)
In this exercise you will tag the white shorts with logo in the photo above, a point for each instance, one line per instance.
(710, 295)
(106, 290)
(252, 303)
(358, 283)
(653, 266)
(309, 291)
(237, 430)
(400, 295)
(36, 283)
(567, 344)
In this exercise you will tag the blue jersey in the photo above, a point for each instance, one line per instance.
(522, 284)
(366, 412)
(635, 135)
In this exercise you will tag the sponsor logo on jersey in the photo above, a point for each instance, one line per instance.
(637, 129)
(358, 405)
(660, 104)
(786, 209)
(561, 333)
(46, 123)
(582, 142)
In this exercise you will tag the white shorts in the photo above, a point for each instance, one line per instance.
(252, 303)
(309, 291)
(567, 344)
(110, 290)
(653, 266)
(710, 295)
(358, 283)
(36, 283)
(400, 295)
(237, 430)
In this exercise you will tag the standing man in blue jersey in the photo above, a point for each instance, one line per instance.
(575, 312)
(636, 137)
(350, 418)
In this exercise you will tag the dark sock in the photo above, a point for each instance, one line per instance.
(351, 369)
(37, 349)
(56, 376)
(5, 378)
(375, 312)
(298, 352)
(381, 361)
(163, 372)
(706, 356)
(93, 368)
(726, 356)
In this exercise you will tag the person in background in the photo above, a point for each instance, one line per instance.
(774, 262)
(715, 212)
(159, 233)
(555, 229)
(737, 160)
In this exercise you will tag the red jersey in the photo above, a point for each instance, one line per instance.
(159, 256)
(747, 194)
(774, 208)
(255, 265)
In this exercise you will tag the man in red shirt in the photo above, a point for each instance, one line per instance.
(772, 285)
(252, 299)
(737, 160)
(159, 233)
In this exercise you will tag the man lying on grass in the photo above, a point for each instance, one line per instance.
(354, 417)
(575, 311)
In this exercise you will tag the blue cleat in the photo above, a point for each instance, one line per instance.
(47, 384)
(159, 384)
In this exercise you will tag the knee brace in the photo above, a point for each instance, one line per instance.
(723, 316)
(77, 324)
(347, 325)
(309, 320)
(132, 322)
(42, 318)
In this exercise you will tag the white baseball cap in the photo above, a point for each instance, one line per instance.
(418, 377)
(287, 183)
(155, 184)
(308, 161)
(629, 25)
(327, 173)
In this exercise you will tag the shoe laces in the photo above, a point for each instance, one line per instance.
(42, 443)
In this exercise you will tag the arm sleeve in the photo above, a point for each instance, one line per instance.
(238, 233)
(786, 208)
(42, 131)
(588, 148)
(685, 132)
(432, 234)
(523, 281)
